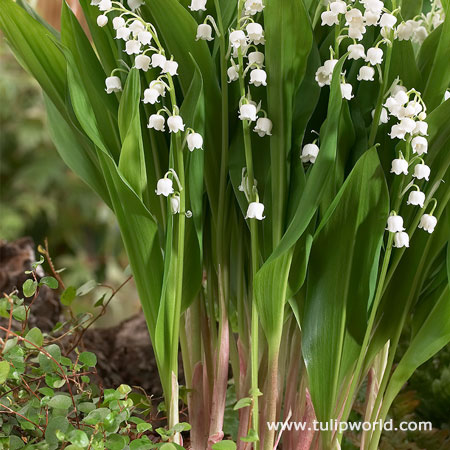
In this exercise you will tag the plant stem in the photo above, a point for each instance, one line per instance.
(272, 394)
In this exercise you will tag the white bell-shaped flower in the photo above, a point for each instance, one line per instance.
(329, 18)
(324, 73)
(247, 111)
(384, 117)
(428, 223)
(175, 204)
(354, 16)
(152, 94)
(105, 5)
(446, 95)
(238, 39)
(421, 128)
(135, 4)
(198, 5)
(263, 127)
(373, 5)
(397, 132)
(395, 224)
(118, 22)
(145, 37)
(156, 121)
(366, 73)
(338, 7)
(194, 140)
(416, 198)
(388, 21)
(346, 91)
(255, 33)
(137, 27)
(374, 56)
(401, 239)
(399, 166)
(371, 18)
(113, 84)
(408, 124)
(253, 7)
(309, 153)
(164, 187)
(420, 34)
(233, 73)
(419, 145)
(405, 31)
(123, 33)
(256, 58)
(401, 97)
(356, 51)
(170, 67)
(142, 62)
(158, 60)
(133, 47)
(255, 211)
(175, 124)
(356, 31)
(204, 32)
(421, 171)
(102, 20)
(159, 86)
(258, 77)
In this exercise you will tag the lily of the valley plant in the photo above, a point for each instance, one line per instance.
(279, 170)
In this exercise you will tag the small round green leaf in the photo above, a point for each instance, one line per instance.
(29, 287)
(60, 402)
(51, 282)
(88, 359)
(4, 371)
(35, 337)
(68, 295)
(78, 438)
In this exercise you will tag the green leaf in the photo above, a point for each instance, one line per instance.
(51, 282)
(29, 287)
(68, 295)
(141, 444)
(115, 442)
(242, 403)
(46, 363)
(97, 416)
(339, 295)
(60, 402)
(4, 371)
(86, 288)
(88, 359)
(79, 438)
(35, 337)
(252, 436)
(142, 427)
(224, 445)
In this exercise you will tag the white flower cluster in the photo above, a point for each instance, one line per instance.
(413, 129)
(138, 37)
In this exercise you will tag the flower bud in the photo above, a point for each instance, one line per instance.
(175, 204)
(102, 20)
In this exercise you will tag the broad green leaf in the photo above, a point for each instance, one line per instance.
(224, 445)
(51, 282)
(35, 337)
(68, 295)
(4, 371)
(338, 295)
(88, 359)
(60, 402)
(29, 287)
(79, 438)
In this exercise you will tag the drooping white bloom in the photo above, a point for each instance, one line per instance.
(102, 20)
(329, 18)
(133, 47)
(145, 37)
(204, 32)
(255, 33)
(175, 204)
(399, 166)
(258, 77)
(374, 56)
(395, 224)
(366, 73)
(324, 73)
(118, 22)
(95, 2)
(175, 124)
(247, 111)
(113, 84)
(428, 223)
(446, 95)
(253, 7)
(338, 7)
(170, 67)
(371, 17)
(194, 140)
(354, 15)
(158, 60)
(309, 153)
(388, 21)
(255, 211)
(416, 198)
(105, 5)
(198, 5)
(422, 115)
(421, 171)
(401, 97)
(346, 91)
(375, 6)
(256, 58)
(155, 90)
(408, 124)
(123, 33)
(405, 31)
(355, 22)
(233, 73)
(401, 239)
(384, 117)
(136, 27)
(263, 127)
(164, 187)
(238, 39)
(421, 128)
(419, 145)
(397, 131)
(135, 4)
(142, 62)
(420, 34)
(356, 51)
(156, 121)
